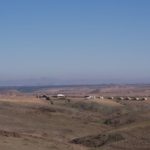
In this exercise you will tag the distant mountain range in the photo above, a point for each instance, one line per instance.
(57, 82)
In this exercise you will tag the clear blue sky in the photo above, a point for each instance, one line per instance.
(94, 41)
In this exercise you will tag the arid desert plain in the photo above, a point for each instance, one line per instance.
(106, 117)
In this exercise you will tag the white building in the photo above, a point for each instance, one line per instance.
(91, 97)
(128, 98)
(101, 97)
(145, 98)
(61, 96)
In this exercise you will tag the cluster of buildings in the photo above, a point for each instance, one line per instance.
(133, 98)
(117, 98)
(90, 97)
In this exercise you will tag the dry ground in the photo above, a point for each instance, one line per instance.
(28, 123)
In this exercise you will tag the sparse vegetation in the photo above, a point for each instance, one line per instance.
(93, 106)
(98, 140)
(74, 123)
